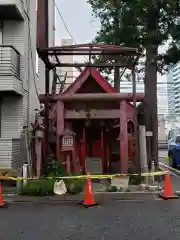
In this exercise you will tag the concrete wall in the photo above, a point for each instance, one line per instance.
(18, 111)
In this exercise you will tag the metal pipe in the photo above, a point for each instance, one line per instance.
(97, 65)
(109, 49)
(86, 53)
(92, 96)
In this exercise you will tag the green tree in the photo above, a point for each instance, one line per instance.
(146, 24)
(140, 23)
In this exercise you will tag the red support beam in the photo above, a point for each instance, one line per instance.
(92, 96)
(94, 114)
(102, 150)
(83, 149)
(60, 118)
(59, 128)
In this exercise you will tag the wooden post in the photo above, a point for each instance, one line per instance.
(38, 149)
(59, 127)
(123, 138)
(143, 152)
(68, 164)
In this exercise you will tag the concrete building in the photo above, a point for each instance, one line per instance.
(126, 86)
(66, 72)
(170, 94)
(173, 85)
(18, 80)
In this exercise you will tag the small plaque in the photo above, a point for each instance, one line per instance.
(67, 143)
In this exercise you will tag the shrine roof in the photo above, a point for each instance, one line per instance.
(83, 77)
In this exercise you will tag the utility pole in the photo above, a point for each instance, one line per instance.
(42, 43)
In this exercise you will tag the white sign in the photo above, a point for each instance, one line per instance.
(149, 134)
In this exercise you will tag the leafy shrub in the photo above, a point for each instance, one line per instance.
(54, 169)
(43, 187)
(74, 185)
(39, 187)
(113, 189)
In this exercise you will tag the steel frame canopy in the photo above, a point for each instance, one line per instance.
(128, 57)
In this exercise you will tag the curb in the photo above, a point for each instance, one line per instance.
(100, 197)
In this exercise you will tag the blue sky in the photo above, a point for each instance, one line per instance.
(77, 15)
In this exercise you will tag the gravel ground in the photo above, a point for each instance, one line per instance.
(140, 220)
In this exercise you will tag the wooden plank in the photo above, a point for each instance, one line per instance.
(93, 114)
(123, 138)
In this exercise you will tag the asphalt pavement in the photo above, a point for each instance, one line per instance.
(146, 219)
(140, 220)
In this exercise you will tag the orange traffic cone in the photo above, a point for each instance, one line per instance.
(88, 194)
(1, 197)
(168, 192)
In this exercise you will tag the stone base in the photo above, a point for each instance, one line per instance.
(89, 206)
(162, 196)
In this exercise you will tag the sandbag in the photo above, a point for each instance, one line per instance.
(60, 187)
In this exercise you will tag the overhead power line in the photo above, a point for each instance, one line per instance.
(65, 25)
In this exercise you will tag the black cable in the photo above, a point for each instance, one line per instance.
(65, 25)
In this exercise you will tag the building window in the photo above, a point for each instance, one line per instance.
(1, 32)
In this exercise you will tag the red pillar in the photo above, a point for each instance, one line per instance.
(102, 150)
(83, 150)
(123, 138)
(59, 127)
(107, 156)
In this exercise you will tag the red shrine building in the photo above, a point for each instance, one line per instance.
(93, 131)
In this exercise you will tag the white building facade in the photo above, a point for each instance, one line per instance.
(66, 73)
(126, 86)
(19, 88)
(173, 85)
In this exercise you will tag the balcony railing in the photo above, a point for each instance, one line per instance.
(9, 61)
